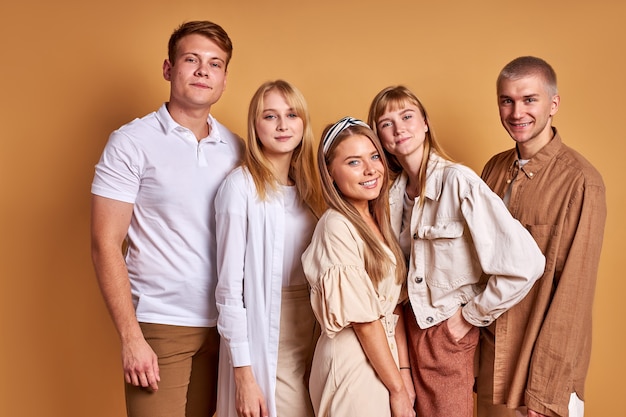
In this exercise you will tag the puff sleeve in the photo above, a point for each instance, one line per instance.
(342, 293)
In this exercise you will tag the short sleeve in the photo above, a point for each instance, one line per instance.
(117, 173)
(342, 293)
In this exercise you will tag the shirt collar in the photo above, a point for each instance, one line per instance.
(434, 177)
(169, 124)
(541, 158)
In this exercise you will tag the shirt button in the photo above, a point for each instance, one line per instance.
(530, 174)
(419, 280)
(430, 319)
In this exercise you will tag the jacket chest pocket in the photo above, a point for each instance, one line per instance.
(449, 255)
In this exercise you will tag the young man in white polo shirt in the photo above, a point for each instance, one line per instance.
(153, 194)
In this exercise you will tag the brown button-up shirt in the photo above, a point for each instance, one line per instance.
(543, 344)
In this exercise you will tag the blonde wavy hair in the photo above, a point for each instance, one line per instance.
(303, 170)
(377, 262)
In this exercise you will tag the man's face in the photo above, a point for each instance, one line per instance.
(526, 109)
(198, 75)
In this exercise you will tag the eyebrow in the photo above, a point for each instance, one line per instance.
(374, 152)
(402, 113)
(524, 96)
(290, 109)
(196, 54)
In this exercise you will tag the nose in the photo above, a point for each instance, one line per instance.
(398, 127)
(369, 168)
(282, 125)
(516, 111)
(202, 70)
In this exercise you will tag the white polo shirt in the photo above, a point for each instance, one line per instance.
(171, 178)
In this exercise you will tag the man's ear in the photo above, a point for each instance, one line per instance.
(554, 107)
(167, 70)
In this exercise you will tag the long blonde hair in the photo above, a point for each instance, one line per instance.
(395, 98)
(302, 170)
(377, 263)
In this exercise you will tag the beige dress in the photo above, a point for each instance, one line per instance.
(343, 383)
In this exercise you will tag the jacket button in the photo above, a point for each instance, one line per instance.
(419, 280)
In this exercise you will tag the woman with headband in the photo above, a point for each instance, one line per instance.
(469, 259)
(356, 271)
(266, 211)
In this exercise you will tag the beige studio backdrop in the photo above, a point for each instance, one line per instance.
(73, 71)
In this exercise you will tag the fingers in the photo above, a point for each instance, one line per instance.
(141, 369)
(264, 410)
(146, 379)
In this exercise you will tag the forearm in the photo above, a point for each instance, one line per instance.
(114, 285)
(401, 339)
(110, 220)
(374, 343)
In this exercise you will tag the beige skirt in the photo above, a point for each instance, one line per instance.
(298, 334)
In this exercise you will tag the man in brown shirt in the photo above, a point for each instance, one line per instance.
(534, 358)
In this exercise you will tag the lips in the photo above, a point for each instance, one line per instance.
(370, 183)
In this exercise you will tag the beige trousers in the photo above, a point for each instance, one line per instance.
(188, 369)
(298, 334)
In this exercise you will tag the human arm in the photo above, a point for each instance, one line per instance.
(561, 353)
(231, 206)
(403, 353)
(249, 400)
(343, 295)
(373, 340)
(505, 250)
(110, 220)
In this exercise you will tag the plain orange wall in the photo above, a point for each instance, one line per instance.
(73, 71)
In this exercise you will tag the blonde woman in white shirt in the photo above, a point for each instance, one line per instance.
(266, 211)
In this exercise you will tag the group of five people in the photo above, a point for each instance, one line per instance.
(354, 277)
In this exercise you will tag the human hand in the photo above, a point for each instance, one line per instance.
(401, 406)
(532, 413)
(458, 326)
(141, 364)
(249, 400)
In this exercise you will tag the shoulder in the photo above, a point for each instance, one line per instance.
(238, 182)
(502, 157)
(239, 178)
(461, 174)
(226, 135)
(140, 126)
(579, 166)
(333, 220)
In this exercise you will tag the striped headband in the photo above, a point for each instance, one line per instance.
(339, 127)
